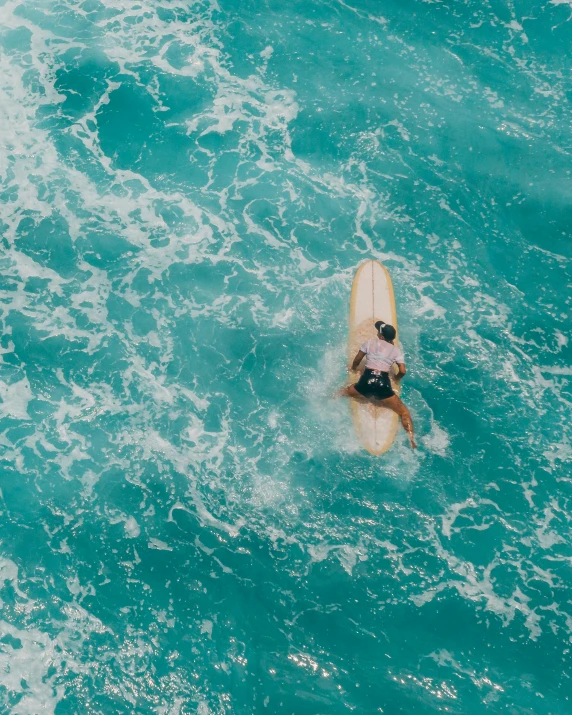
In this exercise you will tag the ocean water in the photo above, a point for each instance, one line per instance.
(188, 523)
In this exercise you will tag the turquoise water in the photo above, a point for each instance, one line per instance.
(188, 523)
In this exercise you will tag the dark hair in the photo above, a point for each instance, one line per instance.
(388, 331)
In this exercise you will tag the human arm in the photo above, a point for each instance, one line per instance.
(401, 370)
(358, 358)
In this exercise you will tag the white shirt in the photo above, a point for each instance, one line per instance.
(380, 355)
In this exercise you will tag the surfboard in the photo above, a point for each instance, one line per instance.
(372, 299)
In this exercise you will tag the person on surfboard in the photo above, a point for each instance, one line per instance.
(380, 354)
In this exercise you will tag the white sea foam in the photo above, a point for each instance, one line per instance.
(446, 659)
(15, 398)
(159, 545)
(437, 441)
(31, 658)
(132, 528)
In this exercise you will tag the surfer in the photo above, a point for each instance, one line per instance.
(380, 354)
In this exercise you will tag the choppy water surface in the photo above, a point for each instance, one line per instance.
(188, 525)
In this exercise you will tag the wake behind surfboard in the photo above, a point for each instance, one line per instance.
(371, 299)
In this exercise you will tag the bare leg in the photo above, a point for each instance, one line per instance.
(396, 405)
(349, 391)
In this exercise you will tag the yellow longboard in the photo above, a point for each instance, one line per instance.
(372, 299)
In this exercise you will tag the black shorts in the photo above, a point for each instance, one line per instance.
(374, 384)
